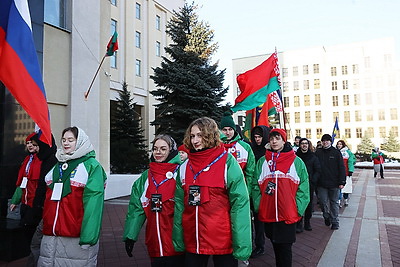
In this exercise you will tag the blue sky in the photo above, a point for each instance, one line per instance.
(254, 27)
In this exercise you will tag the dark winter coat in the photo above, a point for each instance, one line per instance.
(333, 173)
(312, 164)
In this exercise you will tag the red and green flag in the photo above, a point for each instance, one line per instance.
(112, 45)
(257, 83)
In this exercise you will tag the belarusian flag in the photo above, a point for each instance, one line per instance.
(112, 45)
(256, 84)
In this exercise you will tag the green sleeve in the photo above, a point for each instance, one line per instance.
(136, 216)
(16, 198)
(177, 231)
(240, 210)
(256, 193)
(374, 155)
(93, 202)
(303, 190)
(250, 165)
(351, 161)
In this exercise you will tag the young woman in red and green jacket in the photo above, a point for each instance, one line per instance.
(212, 210)
(281, 194)
(152, 199)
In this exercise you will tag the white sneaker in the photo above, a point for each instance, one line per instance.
(346, 202)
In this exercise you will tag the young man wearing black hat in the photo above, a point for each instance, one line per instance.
(332, 179)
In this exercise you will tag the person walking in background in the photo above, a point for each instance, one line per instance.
(259, 139)
(349, 160)
(183, 152)
(282, 194)
(296, 143)
(314, 171)
(212, 210)
(377, 158)
(152, 199)
(73, 207)
(332, 179)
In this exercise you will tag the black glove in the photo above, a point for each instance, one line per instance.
(350, 173)
(129, 243)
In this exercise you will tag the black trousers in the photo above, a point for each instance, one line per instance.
(283, 254)
(170, 261)
(201, 260)
(259, 234)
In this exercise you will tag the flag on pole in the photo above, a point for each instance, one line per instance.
(335, 131)
(112, 45)
(256, 84)
(19, 67)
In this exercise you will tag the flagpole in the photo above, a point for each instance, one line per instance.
(97, 71)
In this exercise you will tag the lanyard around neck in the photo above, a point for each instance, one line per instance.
(165, 179)
(207, 167)
(28, 165)
(272, 166)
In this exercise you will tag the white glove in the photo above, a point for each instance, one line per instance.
(85, 247)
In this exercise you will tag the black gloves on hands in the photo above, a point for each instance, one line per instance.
(129, 243)
(350, 173)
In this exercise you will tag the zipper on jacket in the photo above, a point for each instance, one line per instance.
(55, 218)
(197, 230)
(276, 197)
(159, 235)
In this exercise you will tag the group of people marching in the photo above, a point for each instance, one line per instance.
(207, 197)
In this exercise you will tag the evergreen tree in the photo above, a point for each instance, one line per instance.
(189, 87)
(366, 145)
(391, 144)
(127, 146)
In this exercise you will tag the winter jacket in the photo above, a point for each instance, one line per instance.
(159, 224)
(281, 195)
(333, 173)
(221, 223)
(348, 160)
(79, 213)
(377, 157)
(259, 150)
(312, 164)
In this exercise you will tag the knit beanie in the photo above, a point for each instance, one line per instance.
(227, 121)
(281, 132)
(29, 137)
(183, 148)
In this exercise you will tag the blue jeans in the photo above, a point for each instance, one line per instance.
(328, 199)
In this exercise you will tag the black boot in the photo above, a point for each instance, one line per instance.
(307, 225)
(299, 226)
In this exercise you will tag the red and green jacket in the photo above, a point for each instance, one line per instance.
(348, 159)
(79, 213)
(221, 224)
(159, 224)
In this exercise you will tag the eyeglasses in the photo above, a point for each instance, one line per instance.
(303, 143)
(162, 150)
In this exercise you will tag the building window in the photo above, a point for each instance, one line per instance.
(158, 22)
(381, 97)
(382, 132)
(368, 98)
(367, 62)
(335, 101)
(307, 116)
(298, 132)
(346, 100)
(357, 115)
(345, 84)
(158, 49)
(370, 115)
(55, 13)
(355, 69)
(296, 86)
(305, 69)
(318, 116)
(356, 84)
(316, 68)
(344, 70)
(138, 71)
(319, 133)
(347, 133)
(296, 101)
(347, 116)
(137, 40)
(358, 132)
(285, 72)
(381, 113)
(370, 132)
(333, 71)
(335, 115)
(297, 117)
(317, 84)
(357, 98)
(295, 71)
(286, 101)
(395, 131)
(113, 2)
(138, 11)
(306, 84)
(308, 133)
(393, 113)
(306, 100)
(285, 86)
(317, 99)
(287, 116)
(334, 86)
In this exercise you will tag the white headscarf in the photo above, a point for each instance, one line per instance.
(83, 146)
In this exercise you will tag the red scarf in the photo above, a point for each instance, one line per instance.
(231, 148)
(282, 160)
(158, 171)
(33, 172)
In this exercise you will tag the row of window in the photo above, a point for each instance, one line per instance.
(369, 131)
(369, 115)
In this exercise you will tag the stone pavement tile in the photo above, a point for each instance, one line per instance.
(393, 232)
(391, 208)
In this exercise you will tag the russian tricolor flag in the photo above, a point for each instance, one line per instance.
(19, 67)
